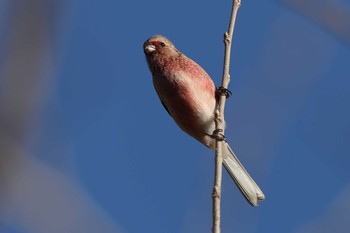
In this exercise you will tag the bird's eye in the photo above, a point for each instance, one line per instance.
(162, 44)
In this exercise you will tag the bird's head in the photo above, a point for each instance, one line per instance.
(159, 45)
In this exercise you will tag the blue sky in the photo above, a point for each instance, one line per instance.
(102, 125)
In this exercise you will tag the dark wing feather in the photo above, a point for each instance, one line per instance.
(165, 108)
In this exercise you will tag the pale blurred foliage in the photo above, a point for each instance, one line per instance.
(334, 17)
(335, 219)
(37, 198)
(34, 196)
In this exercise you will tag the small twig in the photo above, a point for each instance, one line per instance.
(219, 120)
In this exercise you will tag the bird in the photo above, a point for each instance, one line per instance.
(188, 94)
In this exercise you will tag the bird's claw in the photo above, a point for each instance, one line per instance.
(223, 91)
(218, 135)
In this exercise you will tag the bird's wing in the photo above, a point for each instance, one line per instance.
(165, 107)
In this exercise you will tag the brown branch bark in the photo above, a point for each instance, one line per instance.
(219, 120)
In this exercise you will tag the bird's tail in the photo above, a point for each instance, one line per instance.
(245, 183)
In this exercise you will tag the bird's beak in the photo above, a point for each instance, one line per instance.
(149, 48)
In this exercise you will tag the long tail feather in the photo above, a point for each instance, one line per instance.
(243, 180)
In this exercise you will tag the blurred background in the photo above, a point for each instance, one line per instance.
(85, 145)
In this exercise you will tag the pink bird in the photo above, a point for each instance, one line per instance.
(188, 94)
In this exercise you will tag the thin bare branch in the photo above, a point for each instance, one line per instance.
(219, 120)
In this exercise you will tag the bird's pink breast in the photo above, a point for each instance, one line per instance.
(189, 94)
